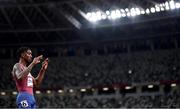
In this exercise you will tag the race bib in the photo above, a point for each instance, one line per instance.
(24, 103)
(30, 82)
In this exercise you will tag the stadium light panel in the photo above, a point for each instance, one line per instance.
(98, 15)
(83, 90)
(60, 91)
(167, 6)
(127, 10)
(105, 88)
(172, 4)
(3, 93)
(107, 12)
(173, 85)
(118, 13)
(88, 15)
(71, 90)
(150, 86)
(138, 12)
(38, 92)
(128, 14)
(128, 87)
(162, 8)
(122, 10)
(109, 17)
(153, 10)
(14, 93)
(157, 8)
(142, 12)
(103, 16)
(130, 71)
(113, 14)
(177, 5)
(164, 4)
(48, 91)
(93, 17)
(147, 11)
(133, 12)
(123, 15)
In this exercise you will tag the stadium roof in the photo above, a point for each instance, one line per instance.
(63, 21)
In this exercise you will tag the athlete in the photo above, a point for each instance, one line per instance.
(24, 80)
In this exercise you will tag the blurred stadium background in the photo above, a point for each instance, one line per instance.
(103, 53)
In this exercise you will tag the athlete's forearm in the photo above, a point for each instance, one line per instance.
(40, 76)
(25, 72)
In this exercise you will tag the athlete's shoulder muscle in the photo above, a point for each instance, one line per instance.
(17, 70)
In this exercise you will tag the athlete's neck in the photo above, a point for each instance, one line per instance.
(23, 62)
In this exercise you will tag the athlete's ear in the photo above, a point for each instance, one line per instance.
(22, 55)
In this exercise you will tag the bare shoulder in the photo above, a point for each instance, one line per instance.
(16, 66)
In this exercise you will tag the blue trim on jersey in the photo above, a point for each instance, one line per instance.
(25, 100)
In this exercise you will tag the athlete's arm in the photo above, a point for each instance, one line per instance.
(20, 73)
(37, 81)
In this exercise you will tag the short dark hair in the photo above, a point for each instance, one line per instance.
(21, 50)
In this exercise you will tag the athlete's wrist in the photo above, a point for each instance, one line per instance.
(33, 63)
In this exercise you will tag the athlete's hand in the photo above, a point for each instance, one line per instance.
(45, 64)
(37, 60)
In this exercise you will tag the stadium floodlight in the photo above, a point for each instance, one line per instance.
(164, 4)
(105, 88)
(38, 92)
(113, 14)
(173, 85)
(48, 91)
(133, 12)
(123, 14)
(142, 12)
(103, 16)
(161, 5)
(83, 90)
(157, 8)
(60, 91)
(127, 10)
(122, 10)
(162, 8)
(138, 12)
(118, 13)
(109, 17)
(128, 14)
(153, 10)
(177, 5)
(167, 6)
(93, 18)
(71, 90)
(147, 11)
(128, 87)
(3, 93)
(150, 86)
(98, 15)
(14, 93)
(107, 12)
(88, 15)
(172, 4)
(130, 71)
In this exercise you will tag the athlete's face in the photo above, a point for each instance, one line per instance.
(27, 56)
